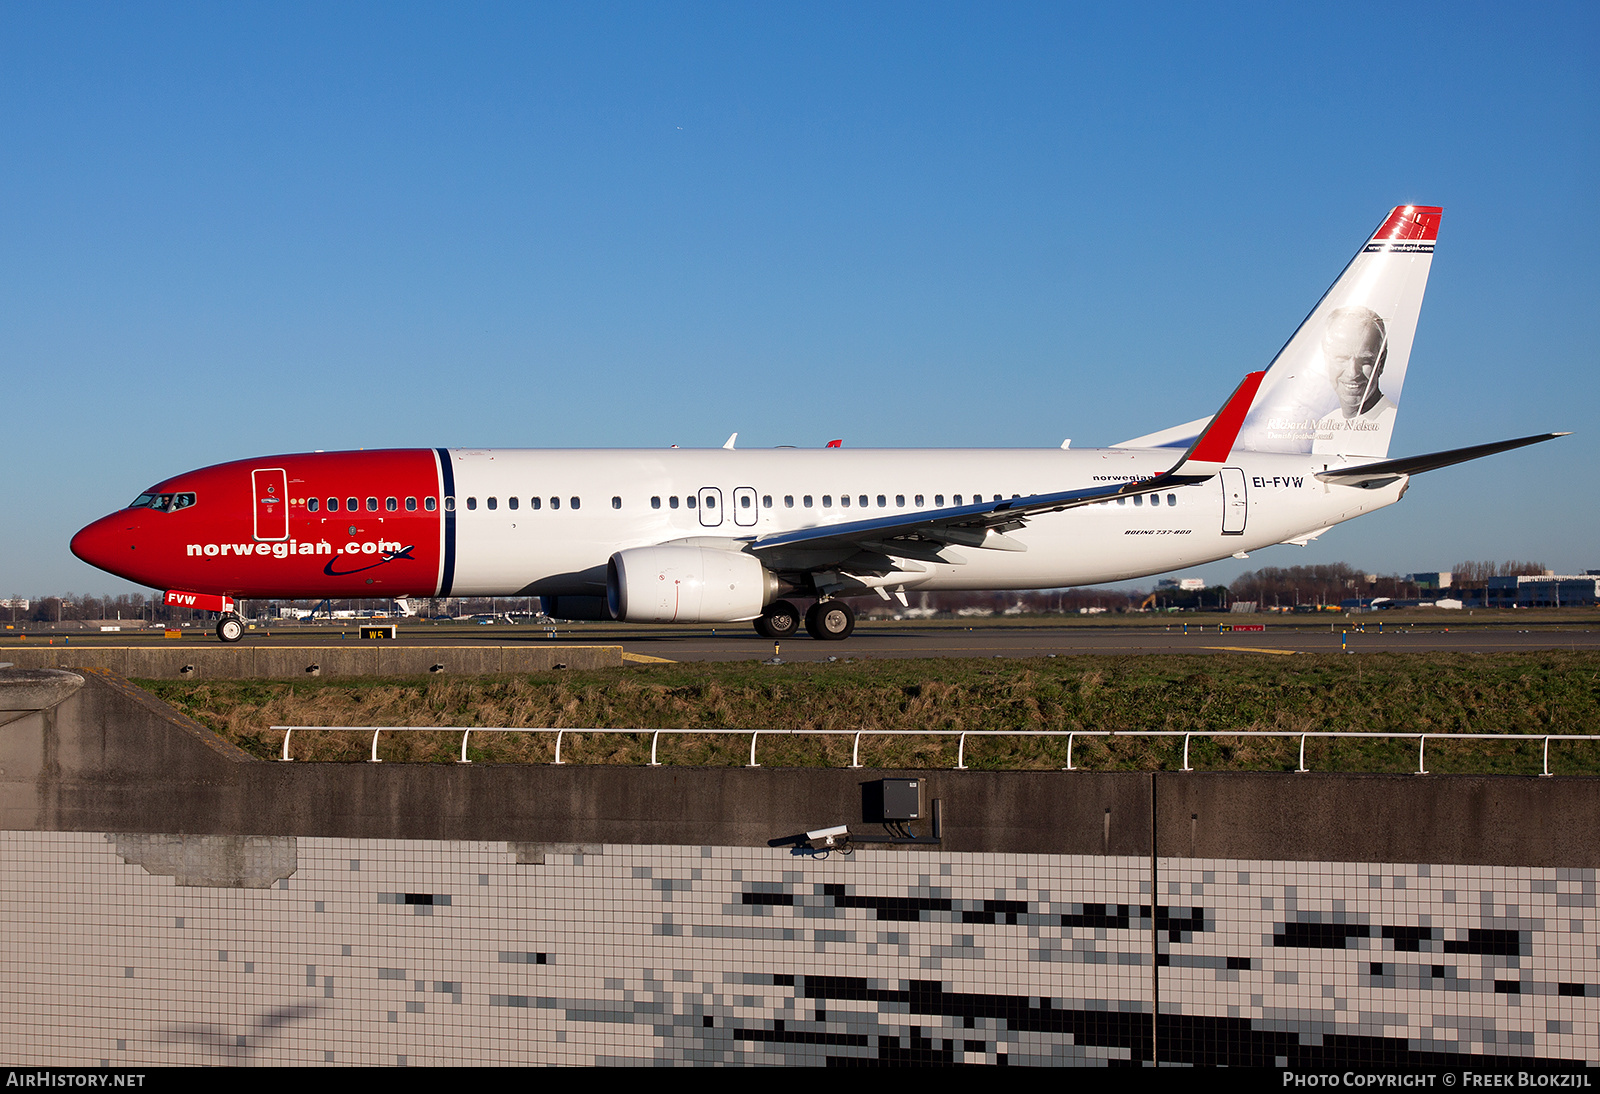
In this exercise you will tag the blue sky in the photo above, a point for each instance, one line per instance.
(234, 230)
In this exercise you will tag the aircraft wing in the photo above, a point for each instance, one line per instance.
(984, 524)
(1370, 475)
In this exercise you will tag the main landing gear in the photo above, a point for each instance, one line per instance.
(826, 620)
(779, 619)
(230, 628)
(830, 621)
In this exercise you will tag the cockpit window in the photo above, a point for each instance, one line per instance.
(165, 503)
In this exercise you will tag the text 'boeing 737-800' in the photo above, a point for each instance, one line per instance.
(723, 535)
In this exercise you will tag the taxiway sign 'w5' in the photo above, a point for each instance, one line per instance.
(722, 535)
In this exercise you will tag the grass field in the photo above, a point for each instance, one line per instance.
(1532, 693)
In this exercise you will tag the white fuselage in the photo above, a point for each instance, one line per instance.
(637, 498)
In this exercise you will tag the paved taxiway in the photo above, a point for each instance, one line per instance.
(736, 642)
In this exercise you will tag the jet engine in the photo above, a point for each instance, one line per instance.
(683, 584)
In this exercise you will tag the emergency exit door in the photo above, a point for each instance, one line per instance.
(710, 507)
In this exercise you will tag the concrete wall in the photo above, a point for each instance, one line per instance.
(215, 661)
(112, 758)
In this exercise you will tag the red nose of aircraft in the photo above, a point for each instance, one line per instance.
(110, 543)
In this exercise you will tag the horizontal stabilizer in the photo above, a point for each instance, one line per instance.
(1379, 474)
(1179, 436)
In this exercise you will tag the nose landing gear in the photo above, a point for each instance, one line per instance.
(230, 628)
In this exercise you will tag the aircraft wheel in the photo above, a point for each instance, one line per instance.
(781, 618)
(230, 628)
(830, 621)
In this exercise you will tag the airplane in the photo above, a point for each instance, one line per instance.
(733, 535)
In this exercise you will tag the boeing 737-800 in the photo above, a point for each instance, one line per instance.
(723, 535)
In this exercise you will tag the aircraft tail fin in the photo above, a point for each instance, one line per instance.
(1335, 385)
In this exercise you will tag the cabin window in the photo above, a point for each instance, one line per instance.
(392, 504)
(1155, 499)
(616, 503)
(352, 504)
(429, 504)
(1172, 499)
(575, 502)
(827, 501)
(844, 501)
(672, 502)
(955, 499)
(883, 502)
(555, 503)
(766, 501)
(450, 505)
(1122, 501)
(534, 503)
(655, 502)
(864, 500)
(494, 503)
(900, 501)
(513, 501)
(710, 502)
(788, 501)
(411, 505)
(689, 500)
(311, 505)
(472, 503)
(333, 505)
(372, 505)
(1138, 499)
(744, 501)
(807, 501)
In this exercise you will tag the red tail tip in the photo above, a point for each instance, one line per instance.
(1411, 222)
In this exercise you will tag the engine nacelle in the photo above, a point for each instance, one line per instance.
(680, 584)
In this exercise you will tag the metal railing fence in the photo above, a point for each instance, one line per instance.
(1422, 738)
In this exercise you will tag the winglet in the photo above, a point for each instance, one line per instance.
(1215, 442)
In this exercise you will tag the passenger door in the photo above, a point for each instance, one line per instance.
(1235, 503)
(269, 493)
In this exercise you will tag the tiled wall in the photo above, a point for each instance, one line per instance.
(145, 950)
